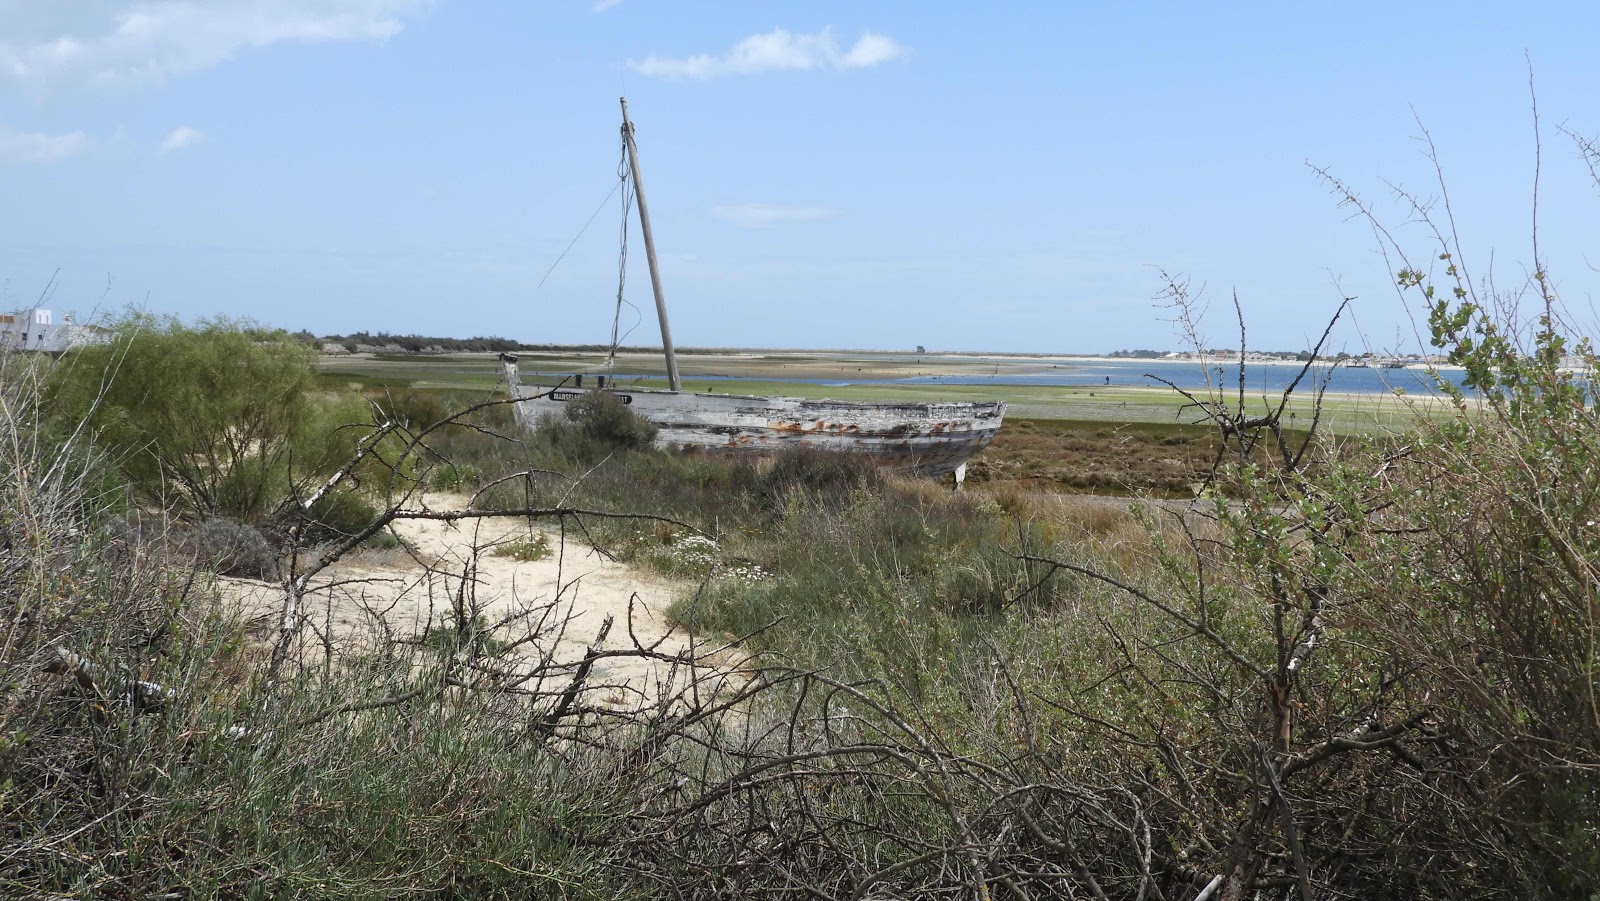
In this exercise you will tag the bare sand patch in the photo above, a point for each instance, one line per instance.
(547, 610)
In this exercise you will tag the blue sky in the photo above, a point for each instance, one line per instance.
(826, 174)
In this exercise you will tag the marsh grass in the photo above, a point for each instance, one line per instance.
(893, 690)
(859, 565)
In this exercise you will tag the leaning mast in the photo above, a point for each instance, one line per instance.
(650, 251)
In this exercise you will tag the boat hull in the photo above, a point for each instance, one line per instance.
(927, 439)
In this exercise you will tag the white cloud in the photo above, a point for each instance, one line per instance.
(871, 50)
(55, 45)
(32, 147)
(764, 215)
(181, 137)
(776, 50)
(601, 6)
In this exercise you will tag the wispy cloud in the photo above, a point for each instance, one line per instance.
(32, 147)
(60, 45)
(601, 6)
(181, 137)
(765, 215)
(872, 49)
(778, 50)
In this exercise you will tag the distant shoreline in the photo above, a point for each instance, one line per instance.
(965, 355)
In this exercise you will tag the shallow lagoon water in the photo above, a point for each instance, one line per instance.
(1259, 377)
(1270, 377)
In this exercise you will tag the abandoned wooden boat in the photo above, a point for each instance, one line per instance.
(928, 439)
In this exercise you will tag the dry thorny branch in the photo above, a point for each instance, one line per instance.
(1257, 539)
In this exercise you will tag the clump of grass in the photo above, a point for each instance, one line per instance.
(526, 550)
(233, 548)
(828, 476)
(454, 477)
(688, 555)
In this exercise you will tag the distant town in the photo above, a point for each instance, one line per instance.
(37, 328)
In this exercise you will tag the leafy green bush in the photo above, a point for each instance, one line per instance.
(478, 438)
(1489, 560)
(220, 421)
(205, 418)
(608, 421)
(340, 513)
(594, 427)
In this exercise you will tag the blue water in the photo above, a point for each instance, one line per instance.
(1189, 375)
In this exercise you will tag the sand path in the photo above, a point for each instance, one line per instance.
(551, 609)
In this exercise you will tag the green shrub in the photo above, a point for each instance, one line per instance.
(608, 421)
(593, 427)
(204, 418)
(417, 408)
(454, 477)
(339, 514)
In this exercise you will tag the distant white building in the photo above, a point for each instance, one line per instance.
(36, 329)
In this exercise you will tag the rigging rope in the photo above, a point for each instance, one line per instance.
(592, 217)
(622, 265)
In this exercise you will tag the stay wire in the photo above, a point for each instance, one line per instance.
(622, 267)
(585, 228)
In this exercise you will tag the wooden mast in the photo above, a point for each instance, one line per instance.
(650, 251)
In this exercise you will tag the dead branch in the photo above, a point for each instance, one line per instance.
(146, 697)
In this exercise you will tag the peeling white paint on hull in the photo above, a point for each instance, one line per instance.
(929, 439)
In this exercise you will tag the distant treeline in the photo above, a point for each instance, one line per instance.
(493, 343)
(415, 343)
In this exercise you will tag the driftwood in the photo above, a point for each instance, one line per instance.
(146, 697)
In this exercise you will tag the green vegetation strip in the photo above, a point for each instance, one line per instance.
(1343, 413)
